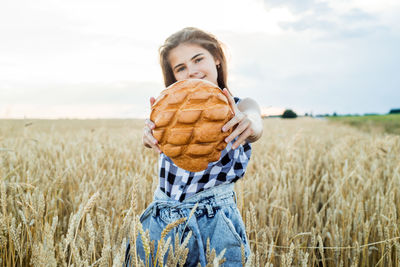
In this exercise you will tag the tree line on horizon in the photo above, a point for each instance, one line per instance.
(290, 114)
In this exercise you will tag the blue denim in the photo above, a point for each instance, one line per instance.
(216, 218)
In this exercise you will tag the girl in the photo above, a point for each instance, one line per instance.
(194, 54)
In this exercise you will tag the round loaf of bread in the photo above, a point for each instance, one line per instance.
(188, 117)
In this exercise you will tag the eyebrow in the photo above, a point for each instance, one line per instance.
(199, 54)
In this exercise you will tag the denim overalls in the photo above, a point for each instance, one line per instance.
(216, 218)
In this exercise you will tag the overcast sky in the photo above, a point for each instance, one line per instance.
(88, 59)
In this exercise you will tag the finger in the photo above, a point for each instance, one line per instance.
(235, 120)
(242, 138)
(151, 144)
(149, 136)
(149, 124)
(152, 100)
(156, 148)
(239, 130)
(231, 100)
(145, 141)
(229, 124)
(154, 145)
(146, 144)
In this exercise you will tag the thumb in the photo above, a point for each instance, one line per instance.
(152, 100)
(230, 100)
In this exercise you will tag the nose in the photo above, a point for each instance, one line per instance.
(194, 72)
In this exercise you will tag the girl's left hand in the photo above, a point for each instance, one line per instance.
(244, 126)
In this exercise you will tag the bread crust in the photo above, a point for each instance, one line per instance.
(188, 117)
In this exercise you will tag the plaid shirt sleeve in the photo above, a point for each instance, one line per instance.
(179, 184)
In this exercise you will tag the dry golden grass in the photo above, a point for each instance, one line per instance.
(315, 194)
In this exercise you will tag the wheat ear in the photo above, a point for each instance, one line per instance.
(164, 233)
(145, 242)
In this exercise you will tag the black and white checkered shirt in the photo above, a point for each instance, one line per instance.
(179, 184)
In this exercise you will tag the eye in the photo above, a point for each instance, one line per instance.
(180, 69)
(197, 60)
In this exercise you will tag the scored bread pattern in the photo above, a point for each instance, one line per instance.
(189, 116)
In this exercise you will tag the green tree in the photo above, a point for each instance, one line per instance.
(289, 114)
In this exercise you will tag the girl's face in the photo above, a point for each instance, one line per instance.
(191, 61)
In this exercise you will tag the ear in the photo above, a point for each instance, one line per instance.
(217, 62)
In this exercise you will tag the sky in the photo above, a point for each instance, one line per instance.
(99, 59)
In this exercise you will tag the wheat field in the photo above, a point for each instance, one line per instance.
(315, 193)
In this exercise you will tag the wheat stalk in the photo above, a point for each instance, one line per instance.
(164, 233)
(3, 198)
(305, 176)
(145, 242)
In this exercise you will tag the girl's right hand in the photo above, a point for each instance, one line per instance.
(148, 138)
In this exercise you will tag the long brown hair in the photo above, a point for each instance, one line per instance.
(193, 36)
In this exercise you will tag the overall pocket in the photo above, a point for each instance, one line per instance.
(224, 233)
(235, 224)
(146, 213)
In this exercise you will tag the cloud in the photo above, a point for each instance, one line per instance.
(327, 20)
(124, 92)
(299, 6)
(83, 111)
(74, 100)
(352, 24)
(348, 75)
(307, 55)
